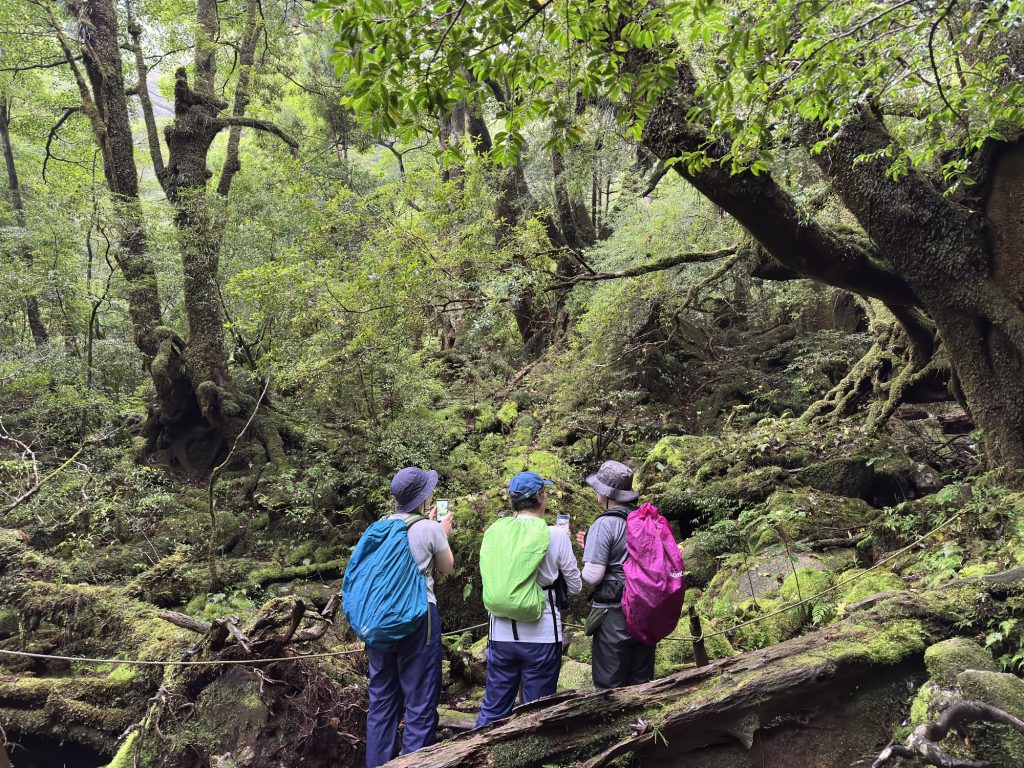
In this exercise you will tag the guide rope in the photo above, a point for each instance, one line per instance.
(202, 662)
(812, 598)
(332, 654)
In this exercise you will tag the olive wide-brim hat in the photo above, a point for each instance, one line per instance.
(614, 480)
(411, 487)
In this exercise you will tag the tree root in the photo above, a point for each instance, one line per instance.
(893, 365)
(923, 743)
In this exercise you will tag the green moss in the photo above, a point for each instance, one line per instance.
(972, 570)
(844, 476)
(896, 641)
(303, 552)
(485, 417)
(273, 573)
(996, 743)
(575, 675)
(508, 413)
(677, 454)
(920, 708)
(866, 584)
(125, 756)
(676, 652)
(820, 515)
(478, 650)
(949, 658)
(810, 583)
(544, 463)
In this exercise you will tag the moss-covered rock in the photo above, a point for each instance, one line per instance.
(814, 514)
(973, 570)
(674, 455)
(507, 414)
(843, 476)
(700, 564)
(997, 743)
(575, 676)
(805, 583)
(949, 658)
(860, 584)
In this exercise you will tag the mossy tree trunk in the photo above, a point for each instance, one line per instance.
(35, 321)
(197, 411)
(958, 260)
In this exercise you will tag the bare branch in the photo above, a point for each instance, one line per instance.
(41, 65)
(657, 266)
(261, 125)
(68, 112)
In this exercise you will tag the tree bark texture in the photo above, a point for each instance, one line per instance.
(35, 320)
(961, 266)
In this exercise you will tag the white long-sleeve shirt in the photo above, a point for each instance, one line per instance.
(548, 628)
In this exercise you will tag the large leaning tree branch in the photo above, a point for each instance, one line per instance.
(646, 269)
(766, 210)
(260, 125)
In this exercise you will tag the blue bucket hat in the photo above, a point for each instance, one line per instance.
(526, 484)
(411, 487)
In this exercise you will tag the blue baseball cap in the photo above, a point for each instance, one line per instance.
(526, 484)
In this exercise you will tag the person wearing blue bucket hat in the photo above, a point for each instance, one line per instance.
(406, 679)
(522, 562)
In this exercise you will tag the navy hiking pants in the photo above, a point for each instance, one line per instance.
(406, 679)
(534, 666)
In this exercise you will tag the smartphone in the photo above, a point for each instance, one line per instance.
(562, 520)
(441, 506)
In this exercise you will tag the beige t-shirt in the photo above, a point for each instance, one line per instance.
(426, 541)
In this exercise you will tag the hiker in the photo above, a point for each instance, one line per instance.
(391, 605)
(524, 564)
(618, 659)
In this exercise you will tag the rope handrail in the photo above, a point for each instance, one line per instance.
(203, 662)
(297, 657)
(812, 598)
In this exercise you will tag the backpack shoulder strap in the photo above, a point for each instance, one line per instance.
(411, 520)
(620, 512)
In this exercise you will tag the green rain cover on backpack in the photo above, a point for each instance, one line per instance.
(510, 555)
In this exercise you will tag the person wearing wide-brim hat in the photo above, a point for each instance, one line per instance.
(618, 659)
(407, 678)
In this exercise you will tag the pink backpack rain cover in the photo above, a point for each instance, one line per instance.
(653, 596)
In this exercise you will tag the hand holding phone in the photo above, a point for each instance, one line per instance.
(562, 521)
(443, 514)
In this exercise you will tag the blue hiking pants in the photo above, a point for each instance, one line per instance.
(405, 679)
(534, 666)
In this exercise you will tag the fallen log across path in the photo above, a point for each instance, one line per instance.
(739, 700)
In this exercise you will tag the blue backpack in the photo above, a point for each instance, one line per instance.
(383, 594)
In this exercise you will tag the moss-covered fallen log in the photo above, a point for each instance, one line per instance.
(732, 701)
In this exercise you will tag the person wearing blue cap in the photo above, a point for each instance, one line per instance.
(525, 654)
(407, 678)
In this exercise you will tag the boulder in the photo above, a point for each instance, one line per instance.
(575, 676)
(946, 660)
(842, 476)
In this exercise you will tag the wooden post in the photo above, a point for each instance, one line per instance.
(700, 653)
